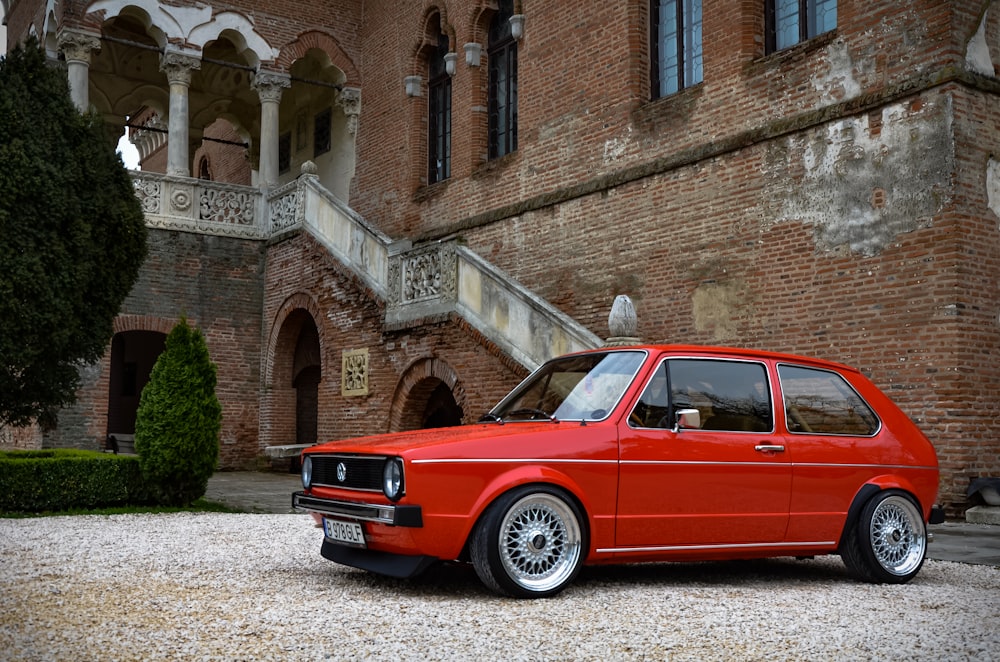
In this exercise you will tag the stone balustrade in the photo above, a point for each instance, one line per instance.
(420, 284)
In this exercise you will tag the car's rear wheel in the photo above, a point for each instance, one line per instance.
(888, 543)
(529, 543)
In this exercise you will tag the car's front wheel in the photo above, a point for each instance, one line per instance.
(889, 541)
(529, 542)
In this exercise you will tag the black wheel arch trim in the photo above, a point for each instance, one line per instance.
(854, 512)
(867, 492)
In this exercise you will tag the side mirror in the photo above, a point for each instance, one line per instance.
(687, 419)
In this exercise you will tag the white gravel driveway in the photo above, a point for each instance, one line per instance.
(254, 587)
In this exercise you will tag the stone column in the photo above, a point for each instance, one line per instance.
(269, 86)
(77, 47)
(178, 66)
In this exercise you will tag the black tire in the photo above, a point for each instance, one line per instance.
(530, 543)
(888, 543)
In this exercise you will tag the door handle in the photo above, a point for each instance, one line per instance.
(769, 448)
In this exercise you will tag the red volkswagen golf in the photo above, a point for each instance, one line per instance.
(631, 454)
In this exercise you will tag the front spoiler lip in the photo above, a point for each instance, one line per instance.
(393, 515)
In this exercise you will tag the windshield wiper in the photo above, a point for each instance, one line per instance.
(533, 414)
(490, 417)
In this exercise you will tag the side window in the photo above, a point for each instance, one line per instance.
(676, 45)
(822, 402)
(729, 395)
(792, 21)
(653, 408)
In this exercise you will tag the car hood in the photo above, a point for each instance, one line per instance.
(444, 442)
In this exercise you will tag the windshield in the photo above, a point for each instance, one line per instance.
(586, 386)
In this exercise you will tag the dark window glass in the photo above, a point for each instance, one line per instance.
(439, 120)
(321, 132)
(676, 45)
(792, 21)
(284, 152)
(501, 54)
(822, 402)
(729, 395)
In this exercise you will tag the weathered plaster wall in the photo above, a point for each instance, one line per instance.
(866, 179)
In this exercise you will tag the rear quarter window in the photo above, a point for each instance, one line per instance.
(823, 402)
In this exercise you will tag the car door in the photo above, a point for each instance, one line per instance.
(724, 482)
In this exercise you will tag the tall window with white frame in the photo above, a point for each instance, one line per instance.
(501, 53)
(676, 45)
(792, 21)
(439, 115)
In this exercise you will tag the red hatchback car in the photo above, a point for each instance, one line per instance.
(632, 454)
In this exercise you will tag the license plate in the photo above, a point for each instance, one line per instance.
(346, 533)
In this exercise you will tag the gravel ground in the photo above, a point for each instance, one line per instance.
(254, 587)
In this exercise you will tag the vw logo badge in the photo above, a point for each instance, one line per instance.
(341, 472)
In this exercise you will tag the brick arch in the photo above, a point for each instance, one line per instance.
(479, 21)
(144, 323)
(320, 40)
(414, 388)
(422, 40)
(278, 331)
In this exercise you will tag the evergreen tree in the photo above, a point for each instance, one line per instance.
(178, 421)
(72, 238)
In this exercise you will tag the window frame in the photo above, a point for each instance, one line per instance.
(501, 57)
(806, 16)
(439, 115)
(689, 57)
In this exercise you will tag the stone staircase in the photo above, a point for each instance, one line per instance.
(426, 282)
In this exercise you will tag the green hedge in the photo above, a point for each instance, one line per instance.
(66, 479)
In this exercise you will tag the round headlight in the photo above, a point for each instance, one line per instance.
(307, 472)
(392, 478)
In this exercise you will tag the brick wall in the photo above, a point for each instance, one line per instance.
(217, 283)
(303, 277)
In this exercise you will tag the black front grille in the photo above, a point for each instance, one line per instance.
(361, 472)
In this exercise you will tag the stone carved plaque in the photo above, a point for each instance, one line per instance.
(354, 372)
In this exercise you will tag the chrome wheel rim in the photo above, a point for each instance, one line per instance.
(540, 542)
(898, 535)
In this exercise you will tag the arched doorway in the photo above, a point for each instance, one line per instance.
(428, 395)
(441, 411)
(306, 376)
(133, 354)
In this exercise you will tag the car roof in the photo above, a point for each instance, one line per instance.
(729, 352)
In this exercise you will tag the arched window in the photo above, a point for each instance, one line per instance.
(439, 114)
(501, 54)
(204, 172)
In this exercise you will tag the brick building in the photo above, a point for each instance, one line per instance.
(383, 214)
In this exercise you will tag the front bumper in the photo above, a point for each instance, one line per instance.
(393, 515)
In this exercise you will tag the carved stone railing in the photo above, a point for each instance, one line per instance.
(418, 283)
(195, 205)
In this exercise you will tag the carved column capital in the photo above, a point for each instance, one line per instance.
(78, 46)
(270, 85)
(178, 65)
(349, 100)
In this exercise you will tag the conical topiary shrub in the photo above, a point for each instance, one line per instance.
(178, 421)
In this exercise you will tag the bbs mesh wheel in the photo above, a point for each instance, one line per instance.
(888, 543)
(529, 543)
